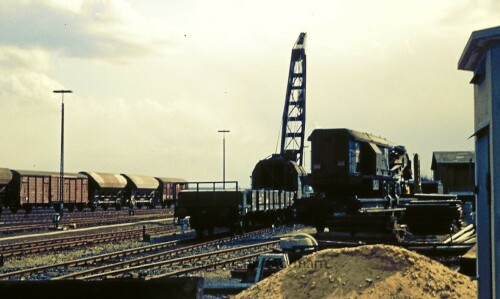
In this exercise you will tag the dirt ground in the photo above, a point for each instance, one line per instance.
(373, 271)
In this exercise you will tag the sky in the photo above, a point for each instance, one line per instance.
(153, 81)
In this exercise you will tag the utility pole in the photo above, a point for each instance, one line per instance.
(224, 157)
(61, 173)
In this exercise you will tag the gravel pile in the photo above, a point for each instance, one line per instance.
(374, 271)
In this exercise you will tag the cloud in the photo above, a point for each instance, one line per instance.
(108, 30)
(23, 76)
(477, 14)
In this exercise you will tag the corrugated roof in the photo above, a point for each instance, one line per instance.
(5, 176)
(172, 180)
(458, 157)
(142, 181)
(108, 180)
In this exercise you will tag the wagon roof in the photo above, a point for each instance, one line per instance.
(171, 180)
(361, 136)
(5, 176)
(108, 180)
(143, 181)
(453, 157)
(47, 173)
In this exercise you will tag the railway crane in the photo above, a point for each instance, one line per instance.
(294, 112)
(284, 170)
(276, 181)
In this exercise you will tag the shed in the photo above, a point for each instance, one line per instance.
(455, 170)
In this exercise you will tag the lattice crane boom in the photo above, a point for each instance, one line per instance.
(294, 112)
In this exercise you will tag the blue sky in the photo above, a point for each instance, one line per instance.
(154, 81)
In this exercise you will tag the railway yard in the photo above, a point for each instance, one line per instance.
(361, 224)
(147, 246)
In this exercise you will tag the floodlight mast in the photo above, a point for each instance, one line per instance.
(224, 157)
(61, 173)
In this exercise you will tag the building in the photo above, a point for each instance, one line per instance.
(456, 172)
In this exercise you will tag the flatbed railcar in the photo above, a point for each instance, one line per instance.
(276, 183)
(231, 208)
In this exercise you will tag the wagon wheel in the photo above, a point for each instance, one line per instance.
(199, 232)
(13, 209)
(210, 231)
(28, 208)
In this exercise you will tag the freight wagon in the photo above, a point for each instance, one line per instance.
(24, 189)
(168, 190)
(231, 208)
(29, 189)
(276, 183)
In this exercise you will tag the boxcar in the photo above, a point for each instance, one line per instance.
(75, 191)
(29, 189)
(140, 190)
(106, 189)
(169, 189)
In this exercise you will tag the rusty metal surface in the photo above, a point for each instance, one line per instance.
(142, 181)
(75, 189)
(108, 180)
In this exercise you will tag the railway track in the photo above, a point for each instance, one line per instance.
(47, 214)
(155, 262)
(80, 222)
(153, 254)
(77, 241)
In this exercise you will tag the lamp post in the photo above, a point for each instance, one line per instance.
(224, 157)
(61, 173)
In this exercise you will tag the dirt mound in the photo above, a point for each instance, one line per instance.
(374, 271)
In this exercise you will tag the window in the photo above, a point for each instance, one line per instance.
(354, 157)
